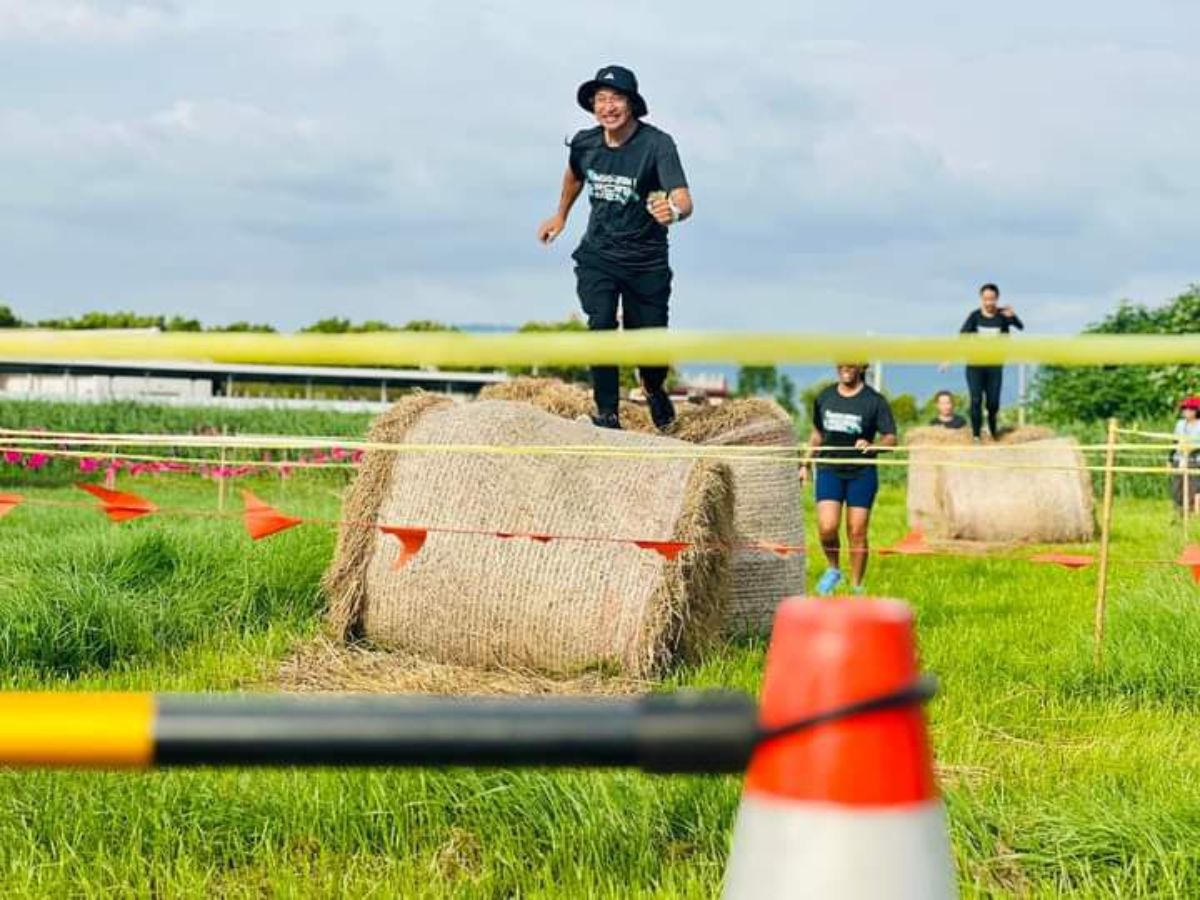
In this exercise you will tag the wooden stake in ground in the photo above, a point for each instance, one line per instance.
(1185, 453)
(1110, 453)
(110, 472)
(222, 490)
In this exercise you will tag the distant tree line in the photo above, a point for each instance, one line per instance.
(1131, 393)
(96, 320)
(332, 325)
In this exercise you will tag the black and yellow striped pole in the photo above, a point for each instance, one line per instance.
(665, 733)
(687, 731)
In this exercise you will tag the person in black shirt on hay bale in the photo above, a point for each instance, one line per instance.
(637, 190)
(991, 320)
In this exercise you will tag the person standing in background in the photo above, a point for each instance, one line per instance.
(637, 190)
(946, 416)
(984, 383)
(1187, 454)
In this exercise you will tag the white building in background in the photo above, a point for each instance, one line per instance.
(244, 385)
(98, 388)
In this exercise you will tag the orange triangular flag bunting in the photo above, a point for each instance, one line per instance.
(912, 544)
(119, 506)
(540, 538)
(263, 520)
(783, 550)
(411, 542)
(1190, 557)
(668, 550)
(1066, 560)
(9, 502)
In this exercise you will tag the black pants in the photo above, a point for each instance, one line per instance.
(643, 299)
(981, 381)
(1193, 464)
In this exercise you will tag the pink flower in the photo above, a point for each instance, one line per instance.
(89, 464)
(13, 458)
(37, 461)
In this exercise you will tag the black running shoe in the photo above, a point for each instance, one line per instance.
(662, 410)
(607, 420)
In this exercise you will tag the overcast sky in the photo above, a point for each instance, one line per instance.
(855, 166)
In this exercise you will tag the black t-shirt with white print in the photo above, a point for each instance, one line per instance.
(843, 420)
(990, 326)
(621, 232)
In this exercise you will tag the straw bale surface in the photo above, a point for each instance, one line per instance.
(1027, 487)
(564, 606)
(768, 505)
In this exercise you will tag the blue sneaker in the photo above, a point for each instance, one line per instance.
(830, 579)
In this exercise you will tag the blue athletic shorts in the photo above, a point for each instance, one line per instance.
(858, 490)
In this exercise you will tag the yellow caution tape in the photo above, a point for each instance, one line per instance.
(649, 346)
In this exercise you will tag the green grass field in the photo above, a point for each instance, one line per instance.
(1057, 779)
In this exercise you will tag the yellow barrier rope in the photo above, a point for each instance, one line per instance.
(1160, 436)
(648, 346)
(39, 438)
(799, 456)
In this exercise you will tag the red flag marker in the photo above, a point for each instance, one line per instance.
(1066, 560)
(119, 506)
(668, 550)
(411, 542)
(912, 544)
(9, 502)
(263, 520)
(541, 538)
(1190, 557)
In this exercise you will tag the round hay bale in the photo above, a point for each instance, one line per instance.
(563, 606)
(768, 496)
(934, 434)
(569, 401)
(1011, 491)
(768, 505)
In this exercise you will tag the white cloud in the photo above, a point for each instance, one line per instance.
(82, 21)
(391, 160)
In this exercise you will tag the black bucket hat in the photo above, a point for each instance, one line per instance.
(616, 78)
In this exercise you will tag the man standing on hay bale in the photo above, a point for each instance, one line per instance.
(850, 419)
(637, 190)
(990, 320)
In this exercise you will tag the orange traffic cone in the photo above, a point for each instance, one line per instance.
(846, 809)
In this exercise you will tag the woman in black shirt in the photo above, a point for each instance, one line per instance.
(984, 382)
